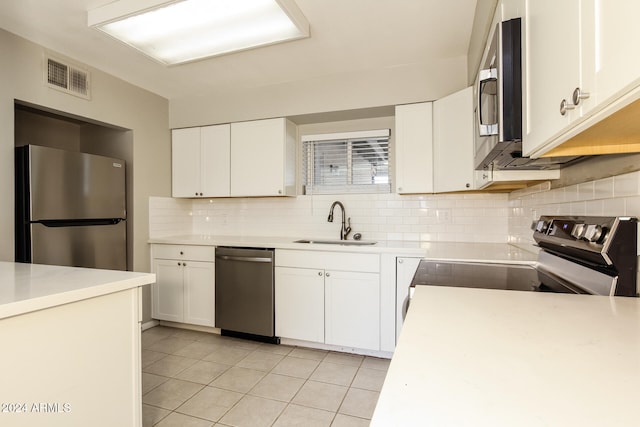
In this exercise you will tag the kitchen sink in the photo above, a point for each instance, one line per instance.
(337, 242)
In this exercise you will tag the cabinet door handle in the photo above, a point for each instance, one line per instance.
(565, 106)
(179, 263)
(400, 261)
(181, 253)
(320, 273)
(579, 95)
(279, 191)
(327, 274)
(196, 193)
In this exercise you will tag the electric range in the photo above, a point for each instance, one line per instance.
(578, 254)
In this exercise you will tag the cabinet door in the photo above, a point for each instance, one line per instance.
(258, 158)
(215, 160)
(199, 293)
(552, 37)
(352, 309)
(614, 36)
(299, 295)
(185, 162)
(168, 291)
(414, 148)
(453, 168)
(405, 270)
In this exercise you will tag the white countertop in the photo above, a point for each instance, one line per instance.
(30, 287)
(463, 251)
(478, 357)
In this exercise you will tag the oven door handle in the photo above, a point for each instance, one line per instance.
(243, 258)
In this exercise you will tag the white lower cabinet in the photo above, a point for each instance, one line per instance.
(184, 291)
(405, 270)
(168, 291)
(328, 297)
(299, 295)
(352, 309)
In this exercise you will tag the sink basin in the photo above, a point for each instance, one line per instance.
(337, 242)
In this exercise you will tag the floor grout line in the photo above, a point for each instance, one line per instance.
(194, 337)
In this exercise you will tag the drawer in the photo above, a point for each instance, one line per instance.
(343, 261)
(184, 252)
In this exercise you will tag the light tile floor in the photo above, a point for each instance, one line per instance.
(199, 379)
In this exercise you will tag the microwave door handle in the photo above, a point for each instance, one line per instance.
(484, 77)
(500, 72)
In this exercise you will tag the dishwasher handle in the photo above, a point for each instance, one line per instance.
(243, 258)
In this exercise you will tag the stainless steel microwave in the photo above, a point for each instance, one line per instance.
(498, 97)
(498, 106)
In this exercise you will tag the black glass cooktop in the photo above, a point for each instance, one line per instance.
(477, 275)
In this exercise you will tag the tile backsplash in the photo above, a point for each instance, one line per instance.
(450, 217)
(495, 218)
(616, 196)
(169, 217)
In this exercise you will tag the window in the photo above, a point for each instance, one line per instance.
(352, 162)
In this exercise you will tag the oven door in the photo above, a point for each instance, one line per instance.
(562, 275)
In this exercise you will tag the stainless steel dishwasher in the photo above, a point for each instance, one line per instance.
(245, 293)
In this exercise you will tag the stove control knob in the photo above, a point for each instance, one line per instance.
(592, 233)
(578, 231)
(540, 226)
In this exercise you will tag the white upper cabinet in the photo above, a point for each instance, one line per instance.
(263, 156)
(200, 161)
(216, 153)
(185, 162)
(614, 38)
(414, 148)
(579, 53)
(453, 168)
(552, 37)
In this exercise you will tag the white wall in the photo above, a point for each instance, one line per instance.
(347, 91)
(112, 101)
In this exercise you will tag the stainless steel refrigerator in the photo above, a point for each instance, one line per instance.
(70, 208)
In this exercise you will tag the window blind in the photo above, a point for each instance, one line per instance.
(356, 162)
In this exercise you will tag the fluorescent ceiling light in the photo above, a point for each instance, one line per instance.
(175, 32)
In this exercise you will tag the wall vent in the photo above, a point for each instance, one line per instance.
(66, 77)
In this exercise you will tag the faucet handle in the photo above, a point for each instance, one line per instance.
(347, 229)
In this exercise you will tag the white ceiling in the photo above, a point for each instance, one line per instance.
(346, 36)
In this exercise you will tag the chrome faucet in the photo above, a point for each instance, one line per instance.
(345, 230)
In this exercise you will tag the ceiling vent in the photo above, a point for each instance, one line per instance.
(67, 78)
